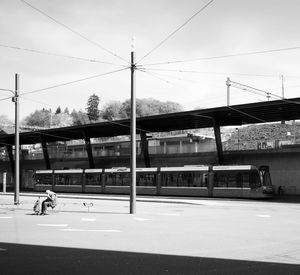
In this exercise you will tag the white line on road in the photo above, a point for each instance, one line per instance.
(142, 219)
(2, 249)
(88, 219)
(51, 224)
(263, 216)
(91, 230)
(5, 217)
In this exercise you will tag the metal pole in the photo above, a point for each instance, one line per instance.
(228, 90)
(282, 86)
(133, 137)
(17, 142)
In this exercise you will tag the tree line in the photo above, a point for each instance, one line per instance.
(113, 110)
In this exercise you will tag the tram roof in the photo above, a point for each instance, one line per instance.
(262, 112)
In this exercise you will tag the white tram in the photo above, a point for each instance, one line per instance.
(238, 181)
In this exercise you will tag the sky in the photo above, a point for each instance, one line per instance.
(180, 57)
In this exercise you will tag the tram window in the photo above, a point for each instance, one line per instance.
(181, 180)
(93, 179)
(43, 179)
(168, 179)
(204, 181)
(254, 180)
(234, 180)
(126, 179)
(184, 179)
(246, 180)
(146, 180)
(110, 179)
(70, 179)
(118, 179)
(220, 180)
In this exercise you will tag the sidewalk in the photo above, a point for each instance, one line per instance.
(77, 202)
(86, 202)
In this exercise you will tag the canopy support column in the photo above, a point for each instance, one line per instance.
(145, 149)
(45, 153)
(219, 143)
(11, 158)
(89, 151)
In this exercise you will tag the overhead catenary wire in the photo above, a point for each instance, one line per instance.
(259, 92)
(175, 31)
(213, 73)
(74, 32)
(60, 55)
(222, 56)
(257, 118)
(74, 81)
(5, 98)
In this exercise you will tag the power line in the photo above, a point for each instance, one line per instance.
(153, 75)
(59, 55)
(169, 76)
(6, 98)
(223, 56)
(73, 31)
(215, 73)
(180, 27)
(72, 82)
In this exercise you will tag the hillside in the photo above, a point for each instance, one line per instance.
(263, 136)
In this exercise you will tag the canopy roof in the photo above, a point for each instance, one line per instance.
(262, 112)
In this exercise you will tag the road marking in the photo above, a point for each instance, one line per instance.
(88, 219)
(5, 217)
(263, 216)
(2, 249)
(142, 219)
(91, 230)
(51, 224)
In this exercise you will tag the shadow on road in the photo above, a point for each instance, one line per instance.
(31, 259)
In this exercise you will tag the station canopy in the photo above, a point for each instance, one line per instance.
(235, 115)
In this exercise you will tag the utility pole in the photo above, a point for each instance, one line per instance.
(133, 133)
(282, 91)
(282, 86)
(15, 99)
(228, 90)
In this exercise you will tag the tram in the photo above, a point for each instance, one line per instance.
(236, 181)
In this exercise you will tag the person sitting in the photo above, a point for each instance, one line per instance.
(50, 201)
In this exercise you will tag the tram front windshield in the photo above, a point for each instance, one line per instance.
(265, 176)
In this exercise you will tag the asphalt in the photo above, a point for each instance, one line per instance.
(31, 244)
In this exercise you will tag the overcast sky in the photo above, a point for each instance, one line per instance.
(223, 28)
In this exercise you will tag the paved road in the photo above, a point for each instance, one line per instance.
(165, 237)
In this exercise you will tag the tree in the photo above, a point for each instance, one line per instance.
(111, 111)
(79, 118)
(66, 111)
(58, 110)
(150, 106)
(62, 120)
(92, 108)
(40, 118)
